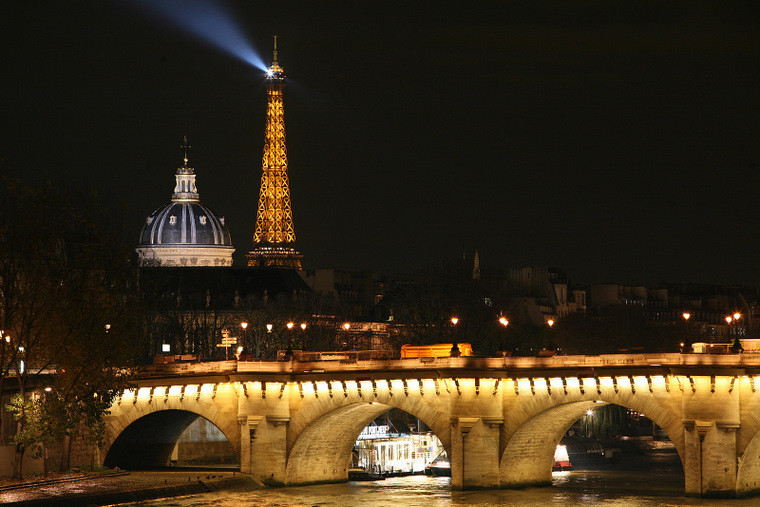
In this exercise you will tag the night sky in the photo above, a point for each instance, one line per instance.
(619, 141)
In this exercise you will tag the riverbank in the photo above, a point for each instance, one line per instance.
(121, 487)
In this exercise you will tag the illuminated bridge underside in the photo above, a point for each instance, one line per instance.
(499, 419)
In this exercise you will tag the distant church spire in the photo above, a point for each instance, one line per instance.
(476, 267)
(274, 237)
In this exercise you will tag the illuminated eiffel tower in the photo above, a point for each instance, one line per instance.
(274, 238)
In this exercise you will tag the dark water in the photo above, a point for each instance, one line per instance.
(653, 478)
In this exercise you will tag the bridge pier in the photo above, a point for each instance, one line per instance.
(710, 464)
(475, 452)
(267, 458)
(711, 411)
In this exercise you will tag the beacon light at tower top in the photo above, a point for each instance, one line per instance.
(207, 20)
(275, 71)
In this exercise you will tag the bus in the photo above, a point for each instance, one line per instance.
(436, 350)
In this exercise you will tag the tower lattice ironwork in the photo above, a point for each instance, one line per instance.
(274, 238)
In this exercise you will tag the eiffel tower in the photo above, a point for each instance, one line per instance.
(274, 238)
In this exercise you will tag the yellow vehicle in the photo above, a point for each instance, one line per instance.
(435, 350)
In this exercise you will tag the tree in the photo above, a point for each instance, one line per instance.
(65, 303)
(613, 330)
(423, 308)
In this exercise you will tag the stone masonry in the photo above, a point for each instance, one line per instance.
(294, 423)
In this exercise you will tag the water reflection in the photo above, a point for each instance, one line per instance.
(654, 480)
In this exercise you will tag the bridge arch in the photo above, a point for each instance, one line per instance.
(320, 442)
(748, 470)
(145, 435)
(528, 454)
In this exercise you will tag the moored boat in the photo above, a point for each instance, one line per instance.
(561, 459)
(359, 474)
(439, 468)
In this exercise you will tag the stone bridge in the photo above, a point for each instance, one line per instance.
(499, 419)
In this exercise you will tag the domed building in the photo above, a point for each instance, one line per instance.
(185, 232)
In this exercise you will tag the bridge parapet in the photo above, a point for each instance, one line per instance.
(506, 365)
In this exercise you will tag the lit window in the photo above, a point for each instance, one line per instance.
(172, 220)
(202, 219)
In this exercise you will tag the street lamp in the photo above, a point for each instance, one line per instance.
(736, 346)
(269, 328)
(454, 352)
(303, 335)
(346, 326)
(550, 323)
(244, 325)
(289, 351)
(589, 414)
(686, 316)
(504, 322)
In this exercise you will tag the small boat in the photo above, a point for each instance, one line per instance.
(561, 459)
(359, 474)
(439, 469)
(440, 466)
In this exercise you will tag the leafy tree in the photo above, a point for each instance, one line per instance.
(423, 308)
(64, 301)
(613, 330)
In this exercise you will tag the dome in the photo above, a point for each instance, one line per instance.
(185, 232)
(185, 224)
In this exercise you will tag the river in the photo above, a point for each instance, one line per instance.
(652, 479)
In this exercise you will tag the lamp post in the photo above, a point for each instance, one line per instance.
(550, 323)
(244, 325)
(686, 341)
(303, 335)
(260, 342)
(504, 323)
(21, 362)
(736, 346)
(289, 350)
(589, 414)
(736, 317)
(728, 326)
(455, 346)
(343, 339)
